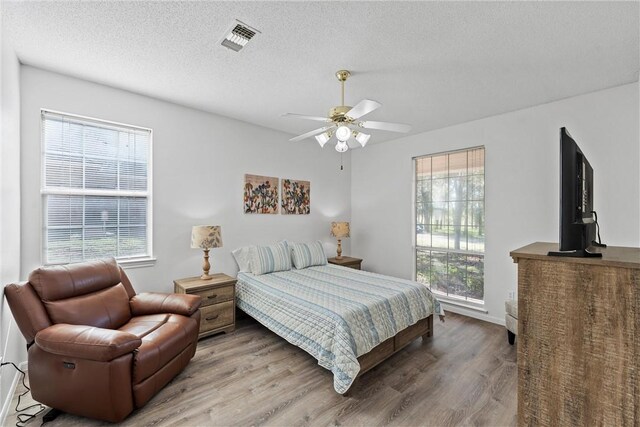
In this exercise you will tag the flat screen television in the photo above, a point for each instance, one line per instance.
(577, 224)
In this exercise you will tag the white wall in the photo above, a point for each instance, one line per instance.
(199, 162)
(522, 183)
(11, 342)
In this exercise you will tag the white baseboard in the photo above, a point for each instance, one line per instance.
(472, 313)
(6, 405)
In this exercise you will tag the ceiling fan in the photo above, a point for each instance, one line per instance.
(345, 122)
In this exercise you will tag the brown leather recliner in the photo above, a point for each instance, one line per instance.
(95, 348)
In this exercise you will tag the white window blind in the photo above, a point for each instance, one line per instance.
(449, 223)
(96, 189)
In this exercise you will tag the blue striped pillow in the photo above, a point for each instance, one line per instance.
(267, 259)
(308, 254)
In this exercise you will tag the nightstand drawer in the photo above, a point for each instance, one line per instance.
(218, 311)
(216, 316)
(215, 295)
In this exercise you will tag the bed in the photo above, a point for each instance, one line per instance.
(349, 320)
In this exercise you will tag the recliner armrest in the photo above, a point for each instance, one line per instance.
(86, 342)
(157, 303)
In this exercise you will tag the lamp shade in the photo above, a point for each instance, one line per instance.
(362, 138)
(340, 229)
(341, 147)
(343, 133)
(323, 139)
(206, 236)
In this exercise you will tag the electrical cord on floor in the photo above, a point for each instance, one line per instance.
(24, 418)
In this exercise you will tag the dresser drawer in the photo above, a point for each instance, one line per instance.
(214, 295)
(216, 316)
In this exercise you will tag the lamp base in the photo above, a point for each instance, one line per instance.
(339, 251)
(206, 266)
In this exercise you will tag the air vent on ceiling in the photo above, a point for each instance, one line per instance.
(238, 36)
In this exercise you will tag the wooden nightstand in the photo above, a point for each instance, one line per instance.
(218, 309)
(347, 261)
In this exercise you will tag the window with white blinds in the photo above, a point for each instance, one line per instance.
(96, 189)
(449, 220)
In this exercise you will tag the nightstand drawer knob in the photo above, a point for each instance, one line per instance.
(211, 318)
(212, 296)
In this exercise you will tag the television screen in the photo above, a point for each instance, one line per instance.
(577, 226)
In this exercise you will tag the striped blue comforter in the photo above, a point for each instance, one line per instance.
(334, 313)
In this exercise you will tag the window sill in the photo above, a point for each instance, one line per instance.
(475, 307)
(136, 263)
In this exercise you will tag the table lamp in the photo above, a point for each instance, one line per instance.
(340, 230)
(206, 237)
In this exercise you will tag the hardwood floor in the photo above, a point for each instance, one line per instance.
(465, 375)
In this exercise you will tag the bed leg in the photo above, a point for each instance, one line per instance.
(429, 333)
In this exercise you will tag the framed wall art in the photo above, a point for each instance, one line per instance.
(260, 194)
(296, 197)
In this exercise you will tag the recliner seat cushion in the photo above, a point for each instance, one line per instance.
(107, 308)
(142, 326)
(162, 345)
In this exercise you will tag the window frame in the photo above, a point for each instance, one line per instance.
(146, 260)
(447, 299)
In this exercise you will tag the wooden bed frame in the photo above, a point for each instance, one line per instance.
(423, 328)
(388, 348)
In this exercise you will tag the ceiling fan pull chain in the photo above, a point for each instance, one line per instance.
(341, 167)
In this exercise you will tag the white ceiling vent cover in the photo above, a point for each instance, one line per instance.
(238, 36)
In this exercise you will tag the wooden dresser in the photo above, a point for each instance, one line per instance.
(578, 337)
(347, 261)
(218, 301)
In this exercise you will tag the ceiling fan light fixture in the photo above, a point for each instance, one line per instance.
(323, 139)
(343, 133)
(362, 138)
(343, 120)
(342, 146)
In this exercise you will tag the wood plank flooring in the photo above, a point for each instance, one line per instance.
(465, 375)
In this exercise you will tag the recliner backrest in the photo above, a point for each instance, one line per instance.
(88, 293)
(94, 293)
(58, 282)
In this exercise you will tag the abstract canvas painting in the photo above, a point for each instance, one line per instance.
(296, 197)
(260, 194)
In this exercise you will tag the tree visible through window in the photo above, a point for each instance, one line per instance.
(95, 189)
(449, 223)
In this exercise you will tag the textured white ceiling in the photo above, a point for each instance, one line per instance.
(431, 64)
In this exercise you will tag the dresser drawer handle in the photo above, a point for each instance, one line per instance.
(212, 317)
(212, 296)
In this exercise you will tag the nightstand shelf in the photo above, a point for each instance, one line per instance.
(347, 261)
(218, 301)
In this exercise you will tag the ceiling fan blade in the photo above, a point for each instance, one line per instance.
(302, 116)
(393, 127)
(308, 134)
(363, 107)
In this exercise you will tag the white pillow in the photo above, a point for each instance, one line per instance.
(308, 254)
(267, 259)
(243, 258)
